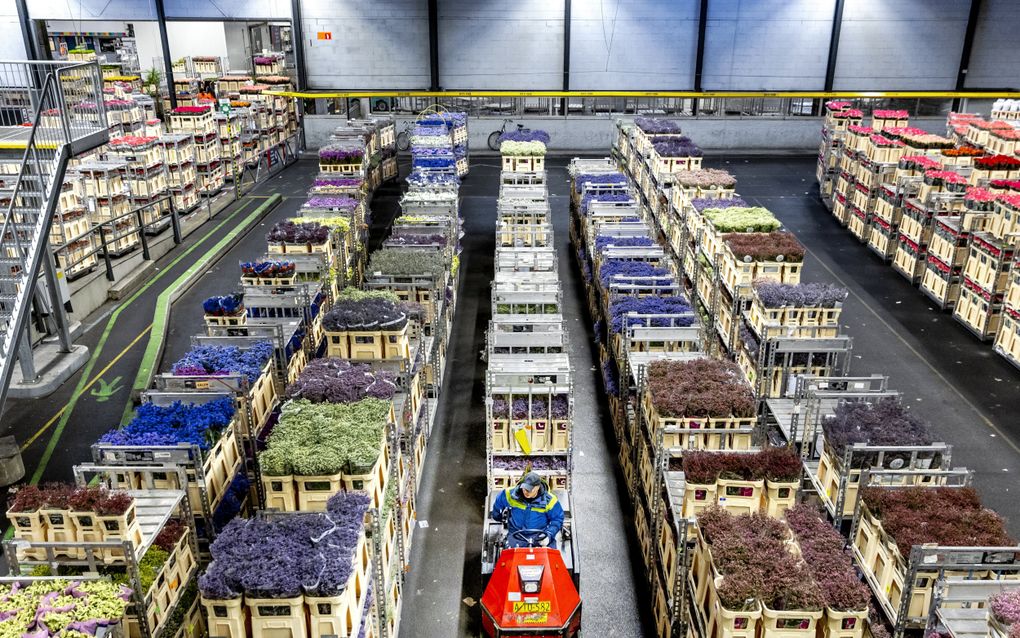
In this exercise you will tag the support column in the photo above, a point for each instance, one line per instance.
(566, 54)
(968, 47)
(434, 45)
(168, 63)
(837, 24)
(298, 38)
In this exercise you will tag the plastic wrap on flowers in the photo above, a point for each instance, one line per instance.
(337, 203)
(397, 262)
(309, 554)
(424, 179)
(522, 149)
(364, 314)
(702, 203)
(290, 232)
(61, 607)
(193, 424)
(203, 360)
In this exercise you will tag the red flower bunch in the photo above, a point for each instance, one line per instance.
(837, 105)
(997, 163)
(890, 114)
(192, 110)
(1006, 134)
(1013, 201)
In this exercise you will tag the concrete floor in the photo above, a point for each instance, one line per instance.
(970, 394)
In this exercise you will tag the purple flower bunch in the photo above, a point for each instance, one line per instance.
(677, 147)
(339, 203)
(195, 424)
(289, 232)
(822, 548)
(264, 59)
(335, 154)
(371, 313)
(776, 295)
(611, 377)
(536, 463)
(603, 197)
(1005, 607)
(701, 203)
(700, 388)
(534, 135)
(542, 407)
(657, 126)
(593, 180)
(625, 268)
(341, 381)
(287, 557)
(212, 359)
(437, 129)
(225, 306)
(749, 340)
(886, 422)
(622, 305)
(604, 241)
(337, 181)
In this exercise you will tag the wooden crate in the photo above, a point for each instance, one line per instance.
(988, 262)
(949, 243)
(840, 208)
(859, 223)
(882, 238)
(1007, 339)
(787, 321)
(916, 223)
(979, 309)
(941, 281)
(542, 435)
(737, 275)
(523, 163)
(196, 123)
(697, 433)
(909, 258)
(369, 345)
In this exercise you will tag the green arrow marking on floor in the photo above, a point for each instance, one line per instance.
(87, 372)
(106, 390)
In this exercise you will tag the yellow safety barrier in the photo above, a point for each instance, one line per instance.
(656, 94)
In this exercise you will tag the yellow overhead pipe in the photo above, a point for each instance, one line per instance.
(654, 94)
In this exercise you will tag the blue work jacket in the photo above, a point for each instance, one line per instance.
(544, 512)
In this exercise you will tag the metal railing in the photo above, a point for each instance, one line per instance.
(66, 103)
(779, 107)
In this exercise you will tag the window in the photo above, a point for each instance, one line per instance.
(364, 340)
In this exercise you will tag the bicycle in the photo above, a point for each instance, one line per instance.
(495, 135)
(404, 137)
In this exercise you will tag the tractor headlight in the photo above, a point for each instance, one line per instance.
(531, 578)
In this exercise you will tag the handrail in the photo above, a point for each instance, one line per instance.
(24, 161)
(132, 212)
(873, 95)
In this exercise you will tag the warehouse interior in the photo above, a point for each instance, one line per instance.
(670, 318)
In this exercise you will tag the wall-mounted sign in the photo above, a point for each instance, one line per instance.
(325, 35)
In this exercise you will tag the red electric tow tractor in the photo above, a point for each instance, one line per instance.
(530, 591)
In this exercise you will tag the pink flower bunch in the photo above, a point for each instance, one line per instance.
(860, 129)
(1005, 607)
(979, 194)
(882, 140)
(1013, 201)
(837, 105)
(849, 113)
(945, 177)
(890, 114)
(133, 141)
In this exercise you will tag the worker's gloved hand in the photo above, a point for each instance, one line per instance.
(545, 541)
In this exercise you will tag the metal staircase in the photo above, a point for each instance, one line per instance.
(61, 112)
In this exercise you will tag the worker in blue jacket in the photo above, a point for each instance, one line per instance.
(530, 505)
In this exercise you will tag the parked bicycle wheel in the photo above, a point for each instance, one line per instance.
(403, 141)
(494, 140)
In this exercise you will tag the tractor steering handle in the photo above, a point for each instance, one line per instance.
(532, 537)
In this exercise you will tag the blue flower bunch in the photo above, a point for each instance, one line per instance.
(602, 241)
(431, 130)
(701, 203)
(613, 267)
(284, 558)
(535, 135)
(603, 197)
(676, 306)
(225, 306)
(211, 359)
(460, 151)
(593, 179)
(195, 424)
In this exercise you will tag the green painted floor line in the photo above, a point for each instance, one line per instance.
(87, 372)
(162, 313)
